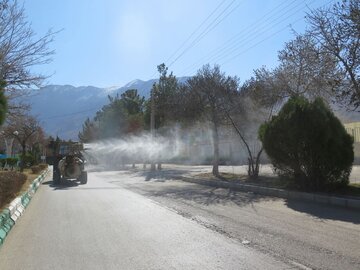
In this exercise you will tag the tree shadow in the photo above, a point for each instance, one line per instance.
(325, 212)
(206, 195)
(159, 176)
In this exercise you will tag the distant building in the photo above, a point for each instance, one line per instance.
(199, 147)
(354, 130)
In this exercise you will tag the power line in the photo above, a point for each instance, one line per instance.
(208, 29)
(256, 34)
(193, 33)
(253, 34)
(210, 26)
(270, 36)
(256, 44)
(232, 40)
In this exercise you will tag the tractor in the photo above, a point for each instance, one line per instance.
(69, 163)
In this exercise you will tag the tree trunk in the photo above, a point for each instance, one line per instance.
(253, 165)
(152, 126)
(153, 166)
(215, 134)
(159, 166)
(23, 153)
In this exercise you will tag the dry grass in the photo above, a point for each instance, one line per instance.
(267, 181)
(353, 189)
(30, 177)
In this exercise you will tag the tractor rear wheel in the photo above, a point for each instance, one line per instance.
(56, 177)
(83, 178)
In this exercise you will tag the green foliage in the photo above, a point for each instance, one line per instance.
(307, 143)
(28, 159)
(2, 162)
(123, 115)
(11, 162)
(89, 131)
(132, 102)
(111, 119)
(164, 93)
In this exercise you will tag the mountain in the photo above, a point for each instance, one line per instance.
(62, 109)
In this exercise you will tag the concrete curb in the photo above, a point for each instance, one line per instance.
(281, 193)
(10, 215)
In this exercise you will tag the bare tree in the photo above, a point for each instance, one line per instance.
(24, 129)
(305, 69)
(337, 29)
(246, 115)
(20, 50)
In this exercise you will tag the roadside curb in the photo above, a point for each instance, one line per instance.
(10, 215)
(281, 193)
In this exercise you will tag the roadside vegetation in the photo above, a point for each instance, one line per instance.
(13, 183)
(306, 143)
(22, 139)
(350, 190)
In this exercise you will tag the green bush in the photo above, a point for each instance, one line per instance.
(308, 144)
(12, 162)
(2, 162)
(28, 159)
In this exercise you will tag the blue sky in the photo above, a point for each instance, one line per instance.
(111, 42)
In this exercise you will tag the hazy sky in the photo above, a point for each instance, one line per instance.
(111, 42)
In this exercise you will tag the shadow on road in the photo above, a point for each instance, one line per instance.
(324, 212)
(65, 184)
(159, 176)
(208, 195)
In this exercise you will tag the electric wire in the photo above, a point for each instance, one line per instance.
(253, 35)
(193, 33)
(207, 30)
(264, 39)
(257, 34)
(240, 34)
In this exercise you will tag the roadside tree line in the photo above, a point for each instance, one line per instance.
(316, 68)
(20, 50)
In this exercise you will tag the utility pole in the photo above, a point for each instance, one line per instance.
(152, 122)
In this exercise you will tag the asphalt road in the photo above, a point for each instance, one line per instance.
(133, 220)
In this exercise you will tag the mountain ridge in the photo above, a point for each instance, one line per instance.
(62, 109)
